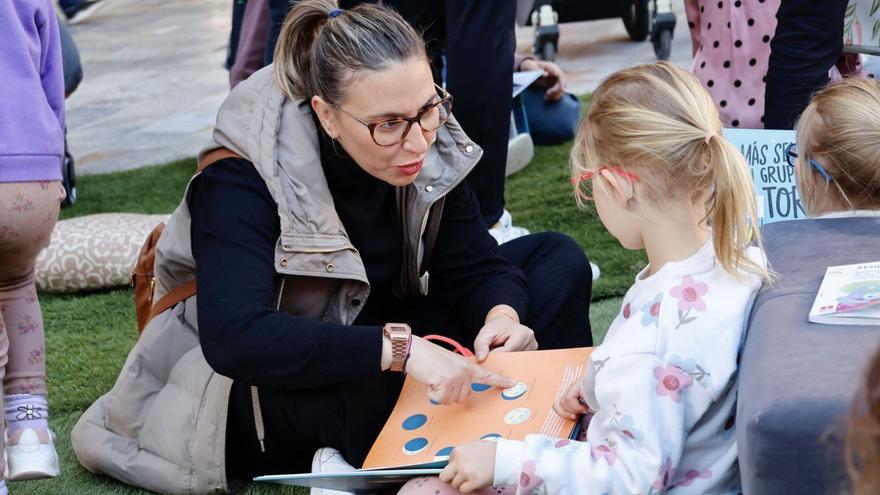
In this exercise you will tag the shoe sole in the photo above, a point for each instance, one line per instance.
(520, 151)
(32, 465)
(86, 14)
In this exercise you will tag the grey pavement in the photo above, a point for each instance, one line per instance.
(154, 76)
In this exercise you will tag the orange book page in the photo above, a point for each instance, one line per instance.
(420, 431)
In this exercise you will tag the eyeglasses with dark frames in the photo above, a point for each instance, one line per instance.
(791, 155)
(393, 131)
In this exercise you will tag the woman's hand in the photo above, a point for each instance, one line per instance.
(471, 466)
(572, 403)
(503, 333)
(553, 78)
(448, 375)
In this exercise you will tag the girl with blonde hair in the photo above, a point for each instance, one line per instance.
(837, 155)
(660, 391)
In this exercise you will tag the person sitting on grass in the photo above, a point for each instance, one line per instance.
(661, 388)
(311, 243)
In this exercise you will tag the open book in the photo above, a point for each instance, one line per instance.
(849, 295)
(420, 434)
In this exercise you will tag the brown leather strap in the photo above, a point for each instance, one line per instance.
(188, 289)
(175, 296)
(215, 156)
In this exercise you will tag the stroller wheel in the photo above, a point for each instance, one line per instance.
(636, 19)
(662, 44)
(548, 51)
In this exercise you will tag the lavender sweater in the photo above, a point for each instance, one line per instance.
(31, 92)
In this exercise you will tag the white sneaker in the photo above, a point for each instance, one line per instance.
(329, 460)
(520, 151)
(31, 459)
(504, 230)
(596, 272)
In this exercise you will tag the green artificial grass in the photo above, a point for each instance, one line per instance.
(88, 336)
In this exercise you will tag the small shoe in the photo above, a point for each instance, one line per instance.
(83, 11)
(329, 460)
(520, 151)
(596, 272)
(30, 457)
(504, 230)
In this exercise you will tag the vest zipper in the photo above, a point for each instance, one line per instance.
(258, 418)
(255, 392)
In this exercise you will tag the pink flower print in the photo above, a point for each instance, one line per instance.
(666, 474)
(562, 443)
(626, 311)
(28, 325)
(651, 311)
(31, 297)
(627, 428)
(35, 356)
(528, 480)
(21, 204)
(692, 475)
(603, 451)
(671, 380)
(689, 297)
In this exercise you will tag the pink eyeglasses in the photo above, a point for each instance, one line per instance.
(589, 174)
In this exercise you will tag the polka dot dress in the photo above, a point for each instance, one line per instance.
(731, 41)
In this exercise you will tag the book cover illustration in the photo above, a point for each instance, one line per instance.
(849, 294)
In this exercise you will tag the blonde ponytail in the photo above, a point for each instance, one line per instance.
(732, 209)
(659, 121)
(319, 54)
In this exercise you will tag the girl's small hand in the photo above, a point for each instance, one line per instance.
(471, 466)
(571, 404)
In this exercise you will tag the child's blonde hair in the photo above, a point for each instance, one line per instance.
(840, 130)
(658, 122)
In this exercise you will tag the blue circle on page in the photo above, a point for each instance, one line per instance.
(490, 436)
(480, 387)
(444, 452)
(415, 446)
(414, 422)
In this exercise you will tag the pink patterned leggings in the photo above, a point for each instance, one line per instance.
(28, 212)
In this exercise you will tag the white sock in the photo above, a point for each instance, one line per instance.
(26, 411)
(3, 490)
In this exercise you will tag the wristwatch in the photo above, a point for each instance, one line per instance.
(400, 335)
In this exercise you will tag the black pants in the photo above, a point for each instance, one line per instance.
(349, 416)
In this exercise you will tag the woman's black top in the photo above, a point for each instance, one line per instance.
(235, 226)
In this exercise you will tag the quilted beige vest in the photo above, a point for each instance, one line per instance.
(163, 424)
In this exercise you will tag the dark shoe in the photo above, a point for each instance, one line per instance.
(83, 10)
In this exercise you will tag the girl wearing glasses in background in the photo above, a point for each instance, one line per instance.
(312, 250)
(660, 391)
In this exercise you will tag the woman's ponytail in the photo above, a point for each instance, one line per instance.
(293, 52)
(321, 48)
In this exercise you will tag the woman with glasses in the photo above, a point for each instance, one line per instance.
(336, 232)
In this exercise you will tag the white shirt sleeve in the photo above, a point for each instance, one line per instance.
(634, 441)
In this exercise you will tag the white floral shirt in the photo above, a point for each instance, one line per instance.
(663, 390)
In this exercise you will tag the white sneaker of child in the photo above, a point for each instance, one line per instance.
(504, 230)
(596, 271)
(329, 460)
(30, 457)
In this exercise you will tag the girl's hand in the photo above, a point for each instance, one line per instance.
(471, 466)
(503, 334)
(572, 403)
(448, 375)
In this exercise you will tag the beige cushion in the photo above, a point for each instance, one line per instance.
(93, 252)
